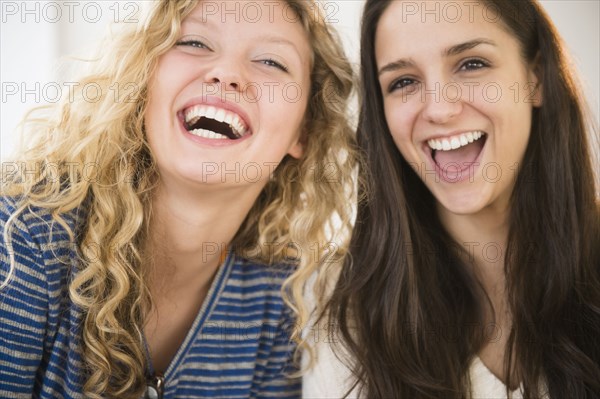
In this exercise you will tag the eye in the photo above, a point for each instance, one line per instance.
(193, 43)
(272, 63)
(473, 64)
(403, 83)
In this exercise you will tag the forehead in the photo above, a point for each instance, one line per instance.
(260, 14)
(411, 26)
(255, 23)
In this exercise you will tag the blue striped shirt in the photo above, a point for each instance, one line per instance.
(238, 346)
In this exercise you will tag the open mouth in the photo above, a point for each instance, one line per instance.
(214, 123)
(459, 151)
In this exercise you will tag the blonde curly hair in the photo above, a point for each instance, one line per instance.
(95, 155)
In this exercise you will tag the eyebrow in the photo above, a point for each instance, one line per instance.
(450, 51)
(459, 48)
(196, 19)
(268, 38)
(278, 40)
(261, 39)
(395, 65)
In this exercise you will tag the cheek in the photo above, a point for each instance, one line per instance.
(152, 117)
(157, 93)
(152, 130)
(166, 83)
(520, 133)
(511, 118)
(399, 120)
(173, 71)
(293, 97)
(159, 117)
(285, 107)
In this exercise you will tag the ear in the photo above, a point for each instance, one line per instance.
(536, 76)
(296, 150)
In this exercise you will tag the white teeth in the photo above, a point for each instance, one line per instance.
(237, 126)
(210, 112)
(236, 123)
(454, 142)
(207, 134)
(220, 115)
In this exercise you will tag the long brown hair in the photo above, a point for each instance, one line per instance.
(409, 311)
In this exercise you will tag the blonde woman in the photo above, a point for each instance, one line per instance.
(147, 235)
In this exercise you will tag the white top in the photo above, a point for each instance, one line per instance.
(485, 385)
(330, 378)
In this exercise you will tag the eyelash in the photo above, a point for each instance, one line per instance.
(401, 83)
(193, 43)
(271, 62)
(481, 64)
(467, 65)
(198, 44)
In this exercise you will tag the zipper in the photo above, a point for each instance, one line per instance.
(155, 387)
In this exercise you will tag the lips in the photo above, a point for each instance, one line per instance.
(461, 149)
(456, 141)
(214, 121)
(453, 155)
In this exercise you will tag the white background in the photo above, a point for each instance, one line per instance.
(36, 36)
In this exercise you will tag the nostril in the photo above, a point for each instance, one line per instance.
(224, 84)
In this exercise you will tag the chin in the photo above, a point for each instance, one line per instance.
(466, 203)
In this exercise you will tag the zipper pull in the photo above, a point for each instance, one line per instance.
(155, 387)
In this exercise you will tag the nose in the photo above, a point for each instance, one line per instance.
(227, 83)
(227, 73)
(442, 102)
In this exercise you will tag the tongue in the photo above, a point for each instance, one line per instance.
(462, 156)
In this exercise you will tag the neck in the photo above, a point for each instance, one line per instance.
(189, 231)
(483, 235)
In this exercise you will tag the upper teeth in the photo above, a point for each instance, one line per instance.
(454, 142)
(196, 112)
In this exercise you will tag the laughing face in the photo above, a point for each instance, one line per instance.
(458, 99)
(226, 103)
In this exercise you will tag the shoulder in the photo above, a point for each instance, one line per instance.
(35, 223)
(252, 294)
(261, 277)
(328, 376)
(20, 248)
(34, 245)
(326, 371)
(38, 319)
